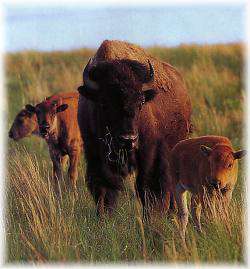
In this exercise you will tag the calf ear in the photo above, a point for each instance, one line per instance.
(31, 109)
(239, 154)
(61, 108)
(205, 150)
(149, 94)
(88, 93)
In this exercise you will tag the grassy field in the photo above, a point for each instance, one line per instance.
(39, 228)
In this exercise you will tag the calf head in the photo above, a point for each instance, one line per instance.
(25, 124)
(120, 89)
(46, 113)
(222, 161)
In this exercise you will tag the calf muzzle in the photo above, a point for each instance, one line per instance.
(215, 184)
(12, 135)
(44, 130)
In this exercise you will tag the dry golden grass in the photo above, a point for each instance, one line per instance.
(43, 228)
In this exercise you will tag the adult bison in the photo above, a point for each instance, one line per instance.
(132, 110)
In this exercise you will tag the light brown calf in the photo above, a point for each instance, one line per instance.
(203, 164)
(57, 120)
(25, 124)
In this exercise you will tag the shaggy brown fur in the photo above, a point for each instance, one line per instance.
(203, 165)
(158, 124)
(57, 118)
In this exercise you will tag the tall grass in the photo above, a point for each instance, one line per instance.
(43, 228)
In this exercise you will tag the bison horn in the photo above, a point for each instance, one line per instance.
(149, 78)
(151, 72)
(87, 81)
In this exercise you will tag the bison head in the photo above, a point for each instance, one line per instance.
(46, 115)
(120, 88)
(25, 124)
(223, 164)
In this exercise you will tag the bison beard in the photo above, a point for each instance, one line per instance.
(121, 99)
(121, 160)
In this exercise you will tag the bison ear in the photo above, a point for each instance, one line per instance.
(91, 94)
(149, 94)
(205, 150)
(61, 108)
(239, 154)
(31, 109)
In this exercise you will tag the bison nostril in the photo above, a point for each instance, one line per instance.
(128, 137)
(128, 141)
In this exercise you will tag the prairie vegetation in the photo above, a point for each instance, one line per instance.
(41, 228)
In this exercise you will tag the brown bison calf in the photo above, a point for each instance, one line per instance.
(203, 164)
(24, 124)
(57, 120)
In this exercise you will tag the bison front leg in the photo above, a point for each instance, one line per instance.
(154, 182)
(105, 201)
(105, 197)
(100, 196)
(142, 194)
(74, 157)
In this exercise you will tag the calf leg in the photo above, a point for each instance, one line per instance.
(57, 172)
(73, 168)
(56, 159)
(227, 197)
(181, 201)
(196, 212)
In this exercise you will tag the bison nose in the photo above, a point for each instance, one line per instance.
(215, 183)
(128, 141)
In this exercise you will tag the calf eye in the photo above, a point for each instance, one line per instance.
(230, 165)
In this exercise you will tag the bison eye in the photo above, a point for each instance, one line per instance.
(142, 103)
